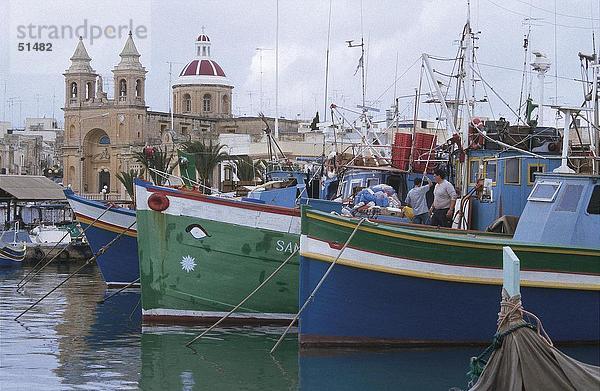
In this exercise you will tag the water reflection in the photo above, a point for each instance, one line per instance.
(70, 341)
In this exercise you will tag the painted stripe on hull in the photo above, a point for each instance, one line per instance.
(239, 213)
(322, 251)
(458, 239)
(355, 305)
(170, 313)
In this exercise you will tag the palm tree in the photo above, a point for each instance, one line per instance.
(127, 179)
(207, 157)
(155, 159)
(248, 170)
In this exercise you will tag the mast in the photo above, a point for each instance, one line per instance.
(277, 70)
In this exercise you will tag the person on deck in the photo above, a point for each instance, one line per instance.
(444, 200)
(417, 200)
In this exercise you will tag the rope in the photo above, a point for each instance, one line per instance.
(312, 294)
(119, 291)
(19, 286)
(243, 301)
(93, 258)
(511, 311)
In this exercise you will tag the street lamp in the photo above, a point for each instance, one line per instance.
(80, 151)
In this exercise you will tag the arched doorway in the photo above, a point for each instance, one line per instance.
(97, 158)
(104, 180)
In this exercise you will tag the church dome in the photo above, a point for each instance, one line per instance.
(202, 70)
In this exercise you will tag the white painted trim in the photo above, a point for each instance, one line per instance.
(92, 212)
(361, 258)
(179, 206)
(214, 314)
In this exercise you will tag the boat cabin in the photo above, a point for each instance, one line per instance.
(562, 209)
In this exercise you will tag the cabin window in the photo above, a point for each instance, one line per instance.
(355, 187)
(532, 170)
(570, 198)
(473, 171)
(512, 171)
(594, 205)
(372, 182)
(491, 170)
(544, 191)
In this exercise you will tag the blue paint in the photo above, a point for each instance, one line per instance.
(508, 198)
(359, 303)
(119, 264)
(564, 220)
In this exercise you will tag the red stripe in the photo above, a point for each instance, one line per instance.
(234, 204)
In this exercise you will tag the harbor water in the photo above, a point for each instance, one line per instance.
(71, 341)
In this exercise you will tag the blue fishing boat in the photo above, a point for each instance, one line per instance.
(119, 264)
(12, 253)
(394, 284)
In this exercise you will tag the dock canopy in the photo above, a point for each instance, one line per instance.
(29, 188)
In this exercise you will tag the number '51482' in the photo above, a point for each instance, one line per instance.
(34, 47)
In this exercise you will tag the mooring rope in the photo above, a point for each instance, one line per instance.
(243, 301)
(312, 294)
(119, 291)
(93, 258)
(24, 280)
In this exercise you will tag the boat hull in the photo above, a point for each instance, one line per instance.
(390, 286)
(119, 265)
(12, 255)
(187, 278)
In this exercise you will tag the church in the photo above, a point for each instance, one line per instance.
(102, 133)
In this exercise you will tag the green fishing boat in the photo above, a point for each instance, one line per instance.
(201, 255)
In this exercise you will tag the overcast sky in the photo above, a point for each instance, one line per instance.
(392, 29)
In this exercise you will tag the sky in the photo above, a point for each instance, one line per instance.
(395, 33)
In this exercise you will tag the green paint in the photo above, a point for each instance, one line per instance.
(227, 265)
(454, 248)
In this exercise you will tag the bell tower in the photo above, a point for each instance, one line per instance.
(80, 78)
(130, 77)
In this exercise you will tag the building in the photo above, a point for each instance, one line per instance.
(29, 150)
(102, 133)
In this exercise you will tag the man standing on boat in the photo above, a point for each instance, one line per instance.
(417, 200)
(444, 200)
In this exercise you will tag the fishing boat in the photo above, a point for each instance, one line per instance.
(12, 253)
(393, 284)
(200, 255)
(103, 223)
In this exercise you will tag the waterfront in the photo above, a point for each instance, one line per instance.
(70, 341)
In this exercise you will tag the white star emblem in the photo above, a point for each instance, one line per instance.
(188, 263)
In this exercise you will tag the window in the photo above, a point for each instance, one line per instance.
(512, 171)
(225, 108)
(473, 171)
(206, 103)
(570, 198)
(227, 173)
(73, 90)
(187, 103)
(544, 191)
(138, 88)
(122, 88)
(490, 169)
(372, 182)
(104, 140)
(89, 90)
(532, 169)
(594, 205)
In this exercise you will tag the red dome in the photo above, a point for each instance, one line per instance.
(202, 68)
(203, 38)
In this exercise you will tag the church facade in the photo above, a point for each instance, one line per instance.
(102, 133)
